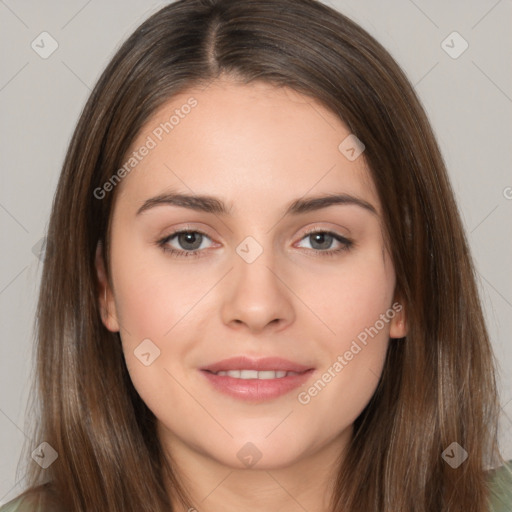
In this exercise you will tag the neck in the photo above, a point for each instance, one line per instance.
(305, 484)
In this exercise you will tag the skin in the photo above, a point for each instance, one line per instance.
(258, 148)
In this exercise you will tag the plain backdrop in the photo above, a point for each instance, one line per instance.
(467, 98)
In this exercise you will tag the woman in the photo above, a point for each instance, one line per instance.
(320, 345)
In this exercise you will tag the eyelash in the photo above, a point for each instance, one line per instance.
(346, 244)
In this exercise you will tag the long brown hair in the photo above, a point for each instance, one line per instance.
(438, 384)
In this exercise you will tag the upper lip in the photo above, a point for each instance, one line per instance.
(248, 363)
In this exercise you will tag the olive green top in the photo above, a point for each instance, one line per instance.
(500, 486)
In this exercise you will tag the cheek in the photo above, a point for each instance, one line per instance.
(349, 296)
(155, 295)
(165, 301)
(156, 306)
(355, 306)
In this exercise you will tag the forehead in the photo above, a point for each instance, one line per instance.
(244, 142)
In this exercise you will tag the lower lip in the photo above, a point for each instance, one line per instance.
(256, 390)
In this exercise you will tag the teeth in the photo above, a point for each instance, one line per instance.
(253, 374)
(271, 374)
(246, 374)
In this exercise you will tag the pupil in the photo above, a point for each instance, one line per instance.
(324, 239)
(188, 238)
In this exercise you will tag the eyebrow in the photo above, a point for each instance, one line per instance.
(210, 204)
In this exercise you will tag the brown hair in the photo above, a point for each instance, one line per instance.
(438, 384)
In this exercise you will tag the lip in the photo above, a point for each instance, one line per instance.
(248, 363)
(256, 390)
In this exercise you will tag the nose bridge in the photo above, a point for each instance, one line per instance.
(257, 296)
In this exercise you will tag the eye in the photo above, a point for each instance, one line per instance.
(190, 241)
(321, 242)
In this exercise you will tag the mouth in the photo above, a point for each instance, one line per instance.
(256, 380)
(254, 374)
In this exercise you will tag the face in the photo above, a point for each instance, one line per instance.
(258, 267)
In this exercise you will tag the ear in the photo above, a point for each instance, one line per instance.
(106, 297)
(398, 328)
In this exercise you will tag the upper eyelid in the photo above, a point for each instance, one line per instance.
(187, 230)
(322, 230)
(341, 239)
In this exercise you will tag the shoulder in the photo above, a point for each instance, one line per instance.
(38, 499)
(500, 488)
(22, 504)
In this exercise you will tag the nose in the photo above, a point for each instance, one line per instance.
(256, 296)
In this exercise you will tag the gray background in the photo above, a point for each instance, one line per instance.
(468, 100)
